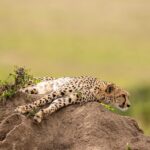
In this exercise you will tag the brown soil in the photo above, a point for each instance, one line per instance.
(86, 127)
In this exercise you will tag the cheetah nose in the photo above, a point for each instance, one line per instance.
(128, 105)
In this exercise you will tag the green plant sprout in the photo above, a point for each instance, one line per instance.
(128, 147)
(33, 112)
(107, 107)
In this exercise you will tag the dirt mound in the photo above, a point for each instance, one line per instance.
(87, 127)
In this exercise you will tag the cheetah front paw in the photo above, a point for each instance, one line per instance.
(21, 109)
(38, 117)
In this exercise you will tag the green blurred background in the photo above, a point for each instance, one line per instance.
(106, 39)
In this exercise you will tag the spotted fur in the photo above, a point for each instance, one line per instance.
(65, 91)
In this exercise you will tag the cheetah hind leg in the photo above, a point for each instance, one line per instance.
(40, 88)
(29, 90)
(56, 105)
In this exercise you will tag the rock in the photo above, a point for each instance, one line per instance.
(86, 127)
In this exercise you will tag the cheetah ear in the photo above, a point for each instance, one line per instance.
(110, 88)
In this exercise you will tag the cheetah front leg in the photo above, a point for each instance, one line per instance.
(33, 106)
(41, 102)
(57, 104)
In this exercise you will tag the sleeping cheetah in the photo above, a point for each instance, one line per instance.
(64, 91)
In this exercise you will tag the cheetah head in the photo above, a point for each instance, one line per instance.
(117, 97)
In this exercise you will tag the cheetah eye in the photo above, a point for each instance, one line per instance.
(110, 88)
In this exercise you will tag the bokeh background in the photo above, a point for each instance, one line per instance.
(106, 39)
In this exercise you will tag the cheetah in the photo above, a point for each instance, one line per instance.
(61, 92)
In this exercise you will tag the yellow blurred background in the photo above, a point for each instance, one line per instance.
(106, 39)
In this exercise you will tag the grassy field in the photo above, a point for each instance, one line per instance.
(107, 39)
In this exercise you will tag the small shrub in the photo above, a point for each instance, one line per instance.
(20, 78)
